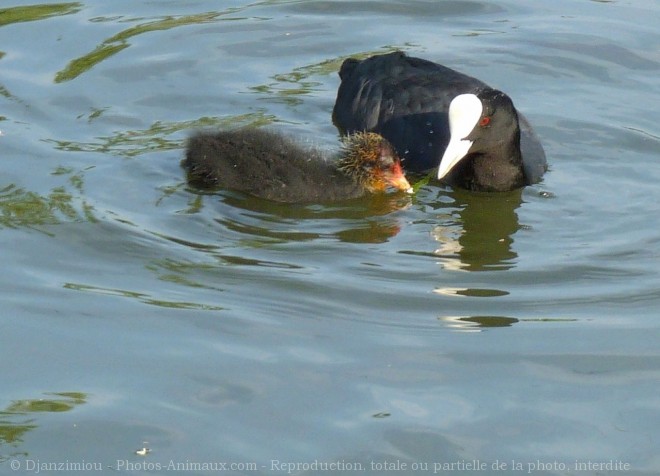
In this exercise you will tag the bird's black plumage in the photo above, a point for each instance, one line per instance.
(269, 165)
(407, 99)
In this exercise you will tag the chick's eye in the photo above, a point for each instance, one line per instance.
(386, 160)
(484, 121)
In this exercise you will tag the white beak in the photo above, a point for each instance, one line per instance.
(464, 113)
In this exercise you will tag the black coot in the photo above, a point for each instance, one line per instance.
(435, 116)
(268, 165)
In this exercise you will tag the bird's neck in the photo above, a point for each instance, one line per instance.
(501, 169)
(497, 173)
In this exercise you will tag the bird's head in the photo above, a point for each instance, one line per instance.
(372, 161)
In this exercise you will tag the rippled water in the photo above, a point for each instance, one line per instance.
(437, 333)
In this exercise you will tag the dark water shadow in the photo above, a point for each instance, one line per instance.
(476, 229)
(489, 221)
(368, 219)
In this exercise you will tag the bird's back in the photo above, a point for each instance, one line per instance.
(405, 99)
(381, 87)
(264, 164)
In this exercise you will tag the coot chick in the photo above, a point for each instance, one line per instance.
(268, 165)
(437, 117)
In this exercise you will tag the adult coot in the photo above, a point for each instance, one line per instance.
(268, 165)
(437, 117)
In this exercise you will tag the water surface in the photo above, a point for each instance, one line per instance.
(428, 331)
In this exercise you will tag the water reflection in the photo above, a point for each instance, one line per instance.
(368, 219)
(20, 208)
(19, 417)
(475, 234)
(473, 292)
(420, 11)
(36, 12)
(141, 297)
(479, 234)
(288, 87)
(478, 323)
(131, 143)
(119, 41)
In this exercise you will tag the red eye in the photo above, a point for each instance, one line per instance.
(484, 121)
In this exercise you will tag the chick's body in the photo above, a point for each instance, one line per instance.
(268, 165)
